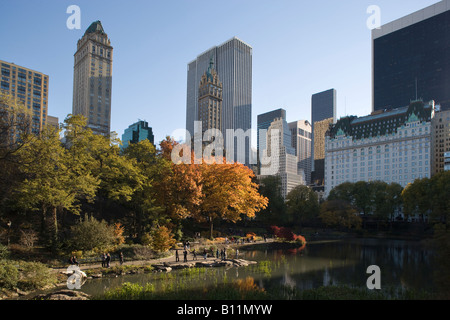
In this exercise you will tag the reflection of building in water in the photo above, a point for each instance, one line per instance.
(326, 277)
(288, 280)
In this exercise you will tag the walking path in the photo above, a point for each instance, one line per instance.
(168, 259)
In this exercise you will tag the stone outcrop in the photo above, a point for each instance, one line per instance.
(169, 266)
(64, 294)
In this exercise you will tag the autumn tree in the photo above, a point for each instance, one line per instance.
(229, 193)
(180, 187)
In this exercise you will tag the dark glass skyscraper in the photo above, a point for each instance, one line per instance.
(137, 132)
(411, 59)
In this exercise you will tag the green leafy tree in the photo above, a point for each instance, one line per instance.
(144, 206)
(339, 214)
(276, 211)
(302, 204)
(15, 133)
(53, 182)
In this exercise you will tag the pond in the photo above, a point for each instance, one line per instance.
(403, 265)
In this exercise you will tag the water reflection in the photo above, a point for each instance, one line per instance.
(403, 264)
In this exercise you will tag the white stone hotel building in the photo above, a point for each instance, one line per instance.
(389, 146)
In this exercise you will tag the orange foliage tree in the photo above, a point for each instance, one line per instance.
(206, 190)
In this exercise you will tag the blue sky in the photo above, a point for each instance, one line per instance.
(299, 48)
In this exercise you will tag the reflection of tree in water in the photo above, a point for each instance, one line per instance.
(441, 260)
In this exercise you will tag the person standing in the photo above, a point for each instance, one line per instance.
(185, 256)
(103, 260)
(108, 260)
(195, 255)
(121, 258)
(177, 257)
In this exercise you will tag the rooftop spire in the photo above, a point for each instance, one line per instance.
(210, 68)
(95, 26)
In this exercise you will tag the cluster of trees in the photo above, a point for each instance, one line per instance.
(378, 198)
(301, 204)
(303, 208)
(346, 204)
(46, 184)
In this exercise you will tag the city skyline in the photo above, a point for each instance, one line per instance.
(156, 41)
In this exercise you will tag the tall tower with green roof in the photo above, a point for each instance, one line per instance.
(92, 78)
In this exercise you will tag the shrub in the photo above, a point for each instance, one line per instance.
(4, 252)
(90, 234)
(9, 275)
(287, 234)
(161, 239)
(28, 238)
(35, 275)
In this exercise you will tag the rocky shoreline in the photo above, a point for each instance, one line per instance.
(66, 294)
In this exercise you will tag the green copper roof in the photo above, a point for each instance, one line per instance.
(95, 26)
(208, 72)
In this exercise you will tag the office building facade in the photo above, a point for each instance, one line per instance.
(323, 106)
(30, 87)
(283, 160)
(320, 130)
(92, 79)
(390, 146)
(264, 121)
(410, 59)
(233, 63)
(447, 161)
(440, 126)
(301, 142)
(137, 132)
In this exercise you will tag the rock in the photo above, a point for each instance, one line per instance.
(97, 276)
(21, 293)
(64, 294)
(162, 268)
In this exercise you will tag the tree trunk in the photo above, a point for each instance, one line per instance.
(211, 227)
(55, 228)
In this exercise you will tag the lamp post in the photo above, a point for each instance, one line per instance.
(9, 229)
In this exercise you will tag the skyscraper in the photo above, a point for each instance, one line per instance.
(264, 121)
(92, 79)
(283, 160)
(31, 88)
(440, 139)
(323, 106)
(233, 64)
(410, 59)
(210, 100)
(301, 141)
(137, 132)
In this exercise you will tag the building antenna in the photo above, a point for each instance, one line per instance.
(416, 88)
(345, 105)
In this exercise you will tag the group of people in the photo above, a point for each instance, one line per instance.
(222, 254)
(106, 259)
(73, 260)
